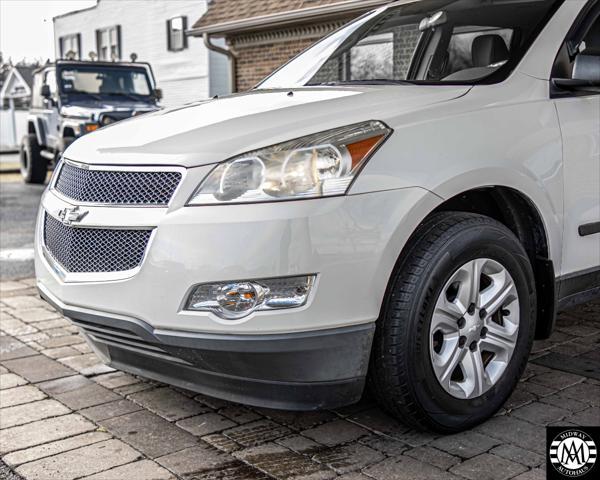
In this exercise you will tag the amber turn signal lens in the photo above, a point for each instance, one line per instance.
(90, 127)
(360, 150)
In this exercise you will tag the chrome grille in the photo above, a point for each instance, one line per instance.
(116, 187)
(80, 250)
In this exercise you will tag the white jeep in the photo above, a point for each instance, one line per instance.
(410, 202)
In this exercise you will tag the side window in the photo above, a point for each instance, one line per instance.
(36, 96)
(384, 54)
(50, 80)
(108, 43)
(176, 39)
(70, 46)
(473, 46)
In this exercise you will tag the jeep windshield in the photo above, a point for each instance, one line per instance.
(105, 81)
(430, 42)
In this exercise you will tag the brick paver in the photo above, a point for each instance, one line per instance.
(65, 415)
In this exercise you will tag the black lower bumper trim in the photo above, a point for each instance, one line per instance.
(297, 371)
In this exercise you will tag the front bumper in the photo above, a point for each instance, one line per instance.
(315, 356)
(298, 371)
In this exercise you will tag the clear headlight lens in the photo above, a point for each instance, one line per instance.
(237, 299)
(319, 165)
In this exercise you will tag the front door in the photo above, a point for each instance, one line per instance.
(579, 116)
(50, 115)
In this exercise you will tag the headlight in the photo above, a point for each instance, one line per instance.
(319, 165)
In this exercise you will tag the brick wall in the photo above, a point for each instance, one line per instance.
(255, 62)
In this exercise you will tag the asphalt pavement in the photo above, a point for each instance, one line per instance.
(18, 208)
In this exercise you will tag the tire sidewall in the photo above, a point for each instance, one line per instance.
(25, 158)
(466, 245)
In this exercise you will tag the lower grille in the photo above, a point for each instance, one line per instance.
(125, 340)
(86, 250)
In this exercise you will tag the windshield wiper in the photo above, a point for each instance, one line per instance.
(371, 81)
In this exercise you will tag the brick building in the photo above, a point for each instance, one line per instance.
(261, 35)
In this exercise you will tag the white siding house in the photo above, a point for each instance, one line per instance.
(184, 68)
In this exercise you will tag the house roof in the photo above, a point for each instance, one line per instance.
(17, 83)
(26, 72)
(228, 16)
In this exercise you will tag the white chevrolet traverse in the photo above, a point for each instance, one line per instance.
(405, 205)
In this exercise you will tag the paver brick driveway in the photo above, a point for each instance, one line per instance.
(64, 415)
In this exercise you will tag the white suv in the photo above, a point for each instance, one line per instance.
(409, 201)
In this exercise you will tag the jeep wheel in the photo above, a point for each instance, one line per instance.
(34, 167)
(456, 331)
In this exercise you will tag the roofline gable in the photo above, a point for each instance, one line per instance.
(7, 81)
(74, 12)
(322, 12)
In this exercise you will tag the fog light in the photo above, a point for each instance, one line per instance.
(237, 299)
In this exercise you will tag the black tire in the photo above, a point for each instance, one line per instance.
(34, 167)
(401, 375)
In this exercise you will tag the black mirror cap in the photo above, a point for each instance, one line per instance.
(577, 85)
(158, 94)
(587, 67)
(45, 91)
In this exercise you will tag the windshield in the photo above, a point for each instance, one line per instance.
(430, 41)
(104, 81)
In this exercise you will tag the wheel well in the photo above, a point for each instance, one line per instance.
(68, 132)
(518, 213)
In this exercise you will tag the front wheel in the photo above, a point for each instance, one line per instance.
(34, 167)
(457, 325)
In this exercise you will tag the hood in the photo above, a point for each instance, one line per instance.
(91, 109)
(215, 130)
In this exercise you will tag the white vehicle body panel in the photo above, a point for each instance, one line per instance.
(446, 140)
(580, 125)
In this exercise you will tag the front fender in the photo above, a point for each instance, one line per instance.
(38, 126)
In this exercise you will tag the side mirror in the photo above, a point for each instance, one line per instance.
(45, 91)
(158, 94)
(587, 67)
(586, 75)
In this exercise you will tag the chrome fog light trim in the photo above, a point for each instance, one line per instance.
(236, 299)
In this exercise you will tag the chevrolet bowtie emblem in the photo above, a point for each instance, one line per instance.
(72, 215)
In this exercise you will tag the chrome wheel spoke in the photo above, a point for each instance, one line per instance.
(476, 380)
(469, 277)
(501, 291)
(447, 362)
(499, 339)
(445, 319)
(474, 269)
(451, 310)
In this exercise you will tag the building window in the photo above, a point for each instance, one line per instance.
(176, 39)
(70, 46)
(108, 43)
